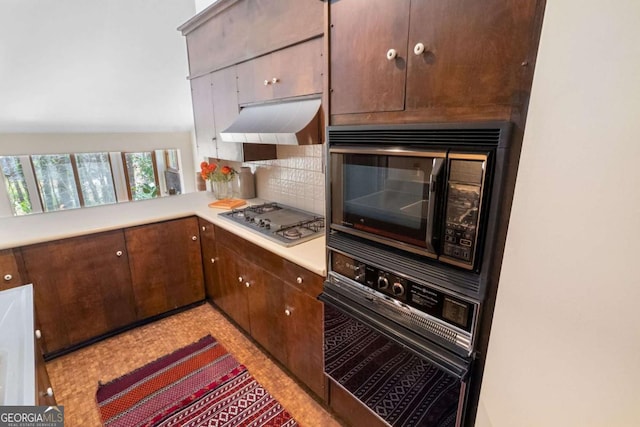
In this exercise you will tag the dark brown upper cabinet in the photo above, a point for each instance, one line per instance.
(420, 54)
(290, 72)
(232, 31)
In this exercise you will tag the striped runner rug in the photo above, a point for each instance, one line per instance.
(198, 385)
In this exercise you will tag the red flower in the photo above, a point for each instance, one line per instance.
(226, 170)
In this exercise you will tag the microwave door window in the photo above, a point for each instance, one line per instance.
(387, 195)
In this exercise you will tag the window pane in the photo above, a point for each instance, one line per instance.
(142, 176)
(16, 185)
(96, 180)
(56, 182)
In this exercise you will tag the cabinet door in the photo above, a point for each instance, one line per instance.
(473, 52)
(297, 70)
(166, 265)
(254, 80)
(294, 71)
(265, 307)
(361, 34)
(82, 287)
(302, 325)
(224, 94)
(203, 120)
(209, 260)
(10, 275)
(233, 297)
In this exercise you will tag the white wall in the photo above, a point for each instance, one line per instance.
(203, 4)
(565, 345)
(94, 66)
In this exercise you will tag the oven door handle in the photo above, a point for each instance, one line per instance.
(438, 164)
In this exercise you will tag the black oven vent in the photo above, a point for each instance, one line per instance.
(449, 134)
(407, 264)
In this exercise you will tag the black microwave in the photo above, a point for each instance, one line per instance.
(424, 189)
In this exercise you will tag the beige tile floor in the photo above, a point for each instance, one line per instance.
(75, 377)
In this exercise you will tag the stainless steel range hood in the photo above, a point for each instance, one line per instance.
(287, 123)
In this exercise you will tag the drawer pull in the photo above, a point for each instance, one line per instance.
(287, 312)
(247, 284)
(299, 280)
(49, 391)
(38, 333)
(194, 238)
(418, 49)
(392, 54)
(8, 277)
(240, 279)
(204, 228)
(118, 253)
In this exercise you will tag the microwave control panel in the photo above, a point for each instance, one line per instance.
(443, 306)
(463, 209)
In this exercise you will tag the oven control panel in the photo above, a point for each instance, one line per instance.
(444, 306)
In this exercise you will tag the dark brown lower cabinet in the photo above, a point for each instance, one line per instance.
(302, 327)
(210, 261)
(44, 390)
(82, 287)
(275, 302)
(166, 267)
(233, 292)
(11, 274)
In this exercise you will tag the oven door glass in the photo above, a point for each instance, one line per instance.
(385, 193)
(399, 386)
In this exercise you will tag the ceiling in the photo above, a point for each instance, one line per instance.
(94, 66)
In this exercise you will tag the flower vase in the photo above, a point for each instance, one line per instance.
(221, 189)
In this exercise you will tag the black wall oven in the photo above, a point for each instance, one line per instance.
(414, 219)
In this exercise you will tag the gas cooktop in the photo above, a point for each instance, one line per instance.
(282, 224)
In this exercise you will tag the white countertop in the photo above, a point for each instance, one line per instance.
(30, 229)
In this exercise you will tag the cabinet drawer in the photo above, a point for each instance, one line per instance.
(303, 279)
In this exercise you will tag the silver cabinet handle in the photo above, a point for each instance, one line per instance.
(8, 277)
(194, 238)
(275, 80)
(119, 253)
(418, 49)
(299, 280)
(287, 312)
(267, 82)
(392, 54)
(247, 284)
(38, 334)
(213, 260)
(204, 228)
(240, 279)
(49, 392)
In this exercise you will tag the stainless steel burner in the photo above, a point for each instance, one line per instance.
(292, 233)
(285, 225)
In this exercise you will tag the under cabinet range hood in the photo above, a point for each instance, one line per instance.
(286, 123)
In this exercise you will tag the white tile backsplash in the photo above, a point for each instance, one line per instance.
(296, 178)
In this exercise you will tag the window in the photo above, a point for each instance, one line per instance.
(53, 182)
(142, 179)
(56, 182)
(16, 185)
(96, 179)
